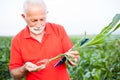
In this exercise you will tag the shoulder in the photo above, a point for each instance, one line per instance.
(56, 27)
(18, 36)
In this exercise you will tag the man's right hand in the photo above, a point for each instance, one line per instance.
(29, 66)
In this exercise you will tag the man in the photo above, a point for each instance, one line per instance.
(38, 42)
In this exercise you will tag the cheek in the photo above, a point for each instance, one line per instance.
(43, 23)
(31, 23)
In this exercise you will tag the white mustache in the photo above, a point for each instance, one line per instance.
(36, 29)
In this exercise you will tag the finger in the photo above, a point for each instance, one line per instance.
(32, 69)
(41, 67)
(77, 59)
(37, 68)
(71, 63)
(72, 55)
(44, 61)
(69, 54)
(74, 52)
(29, 65)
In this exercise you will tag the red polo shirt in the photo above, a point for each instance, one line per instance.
(24, 48)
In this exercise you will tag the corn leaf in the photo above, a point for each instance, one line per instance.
(105, 32)
(117, 27)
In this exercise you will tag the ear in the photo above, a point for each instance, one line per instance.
(47, 12)
(23, 16)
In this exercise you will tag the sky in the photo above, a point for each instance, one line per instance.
(77, 16)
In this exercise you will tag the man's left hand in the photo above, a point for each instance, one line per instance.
(73, 57)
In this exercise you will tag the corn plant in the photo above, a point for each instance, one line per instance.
(98, 63)
(98, 39)
(4, 57)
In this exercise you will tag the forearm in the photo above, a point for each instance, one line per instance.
(18, 73)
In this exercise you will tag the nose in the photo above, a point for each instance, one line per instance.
(39, 23)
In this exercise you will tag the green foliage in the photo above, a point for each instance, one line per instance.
(98, 63)
(101, 37)
(4, 57)
(94, 41)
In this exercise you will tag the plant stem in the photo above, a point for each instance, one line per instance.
(56, 57)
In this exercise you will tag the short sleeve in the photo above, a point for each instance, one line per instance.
(65, 39)
(15, 56)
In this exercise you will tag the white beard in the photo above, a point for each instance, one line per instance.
(36, 30)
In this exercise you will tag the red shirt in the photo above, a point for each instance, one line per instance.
(24, 48)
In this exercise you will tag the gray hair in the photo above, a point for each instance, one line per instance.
(35, 2)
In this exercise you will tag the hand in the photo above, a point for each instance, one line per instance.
(73, 57)
(36, 67)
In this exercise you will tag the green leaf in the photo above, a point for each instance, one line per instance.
(107, 29)
(105, 32)
(117, 27)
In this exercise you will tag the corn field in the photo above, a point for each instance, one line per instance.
(99, 63)
(96, 63)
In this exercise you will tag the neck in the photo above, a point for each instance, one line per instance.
(38, 37)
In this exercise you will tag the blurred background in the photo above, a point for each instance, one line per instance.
(77, 16)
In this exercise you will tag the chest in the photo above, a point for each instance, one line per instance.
(33, 50)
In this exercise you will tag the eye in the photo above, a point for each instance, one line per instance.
(41, 19)
(35, 20)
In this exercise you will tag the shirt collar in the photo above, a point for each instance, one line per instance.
(26, 32)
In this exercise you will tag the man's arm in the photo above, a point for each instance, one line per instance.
(18, 73)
